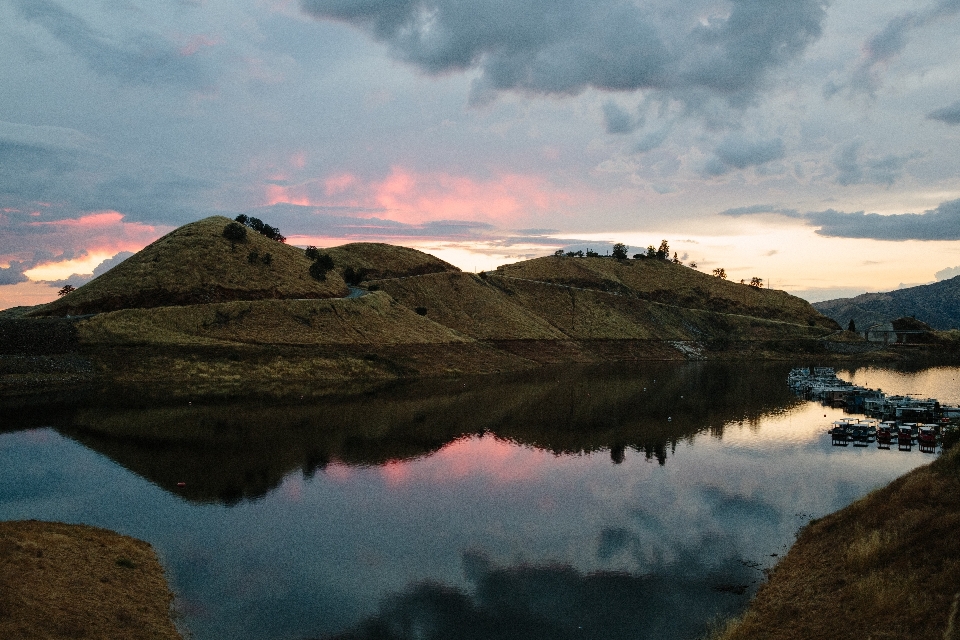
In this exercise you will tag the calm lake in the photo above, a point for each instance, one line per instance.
(577, 502)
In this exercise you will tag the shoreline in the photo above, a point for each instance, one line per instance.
(887, 566)
(61, 580)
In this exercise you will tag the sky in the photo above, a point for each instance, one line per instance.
(814, 145)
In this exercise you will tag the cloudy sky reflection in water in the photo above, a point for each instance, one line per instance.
(353, 547)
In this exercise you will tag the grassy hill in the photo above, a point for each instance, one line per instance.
(663, 281)
(471, 306)
(377, 260)
(204, 314)
(598, 315)
(936, 304)
(196, 264)
(374, 319)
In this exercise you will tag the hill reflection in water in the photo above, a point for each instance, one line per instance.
(228, 453)
(560, 503)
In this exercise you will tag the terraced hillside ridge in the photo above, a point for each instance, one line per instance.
(196, 264)
(373, 319)
(584, 314)
(887, 566)
(377, 260)
(471, 306)
(936, 304)
(673, 284)
(75, 581)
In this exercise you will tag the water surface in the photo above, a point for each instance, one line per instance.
(610, 502)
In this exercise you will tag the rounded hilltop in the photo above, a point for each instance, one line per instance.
(196, 264)
(672, 284)
(378, 261)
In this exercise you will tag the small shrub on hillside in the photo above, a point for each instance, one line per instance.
(67, 288)
(266, 258)
(592, 254)
(318, 272)
(574, 254)
(235, 232)
(559, 253)
(354, 276)
(421, 311)
(253, 256)
(321, 265)
(312, 252)
(639, 256)
(325, 261)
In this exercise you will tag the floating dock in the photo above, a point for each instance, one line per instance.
(904, 420)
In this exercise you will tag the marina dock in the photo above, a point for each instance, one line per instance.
(902, 420)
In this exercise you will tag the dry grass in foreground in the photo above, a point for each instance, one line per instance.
(887, 566)
(75, 581)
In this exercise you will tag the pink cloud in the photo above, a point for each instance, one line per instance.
(495, 461)
(410, 197)
(419, 198)
(198, 42)
(339, 183)
(99, 233)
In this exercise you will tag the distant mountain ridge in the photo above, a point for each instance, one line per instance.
(936, 304)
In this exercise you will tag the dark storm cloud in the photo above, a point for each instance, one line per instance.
(54, 164)
(617, 120)
(852, 169)
(737, 153)
(942, 223)
(144, 58)
(890, 42)
(949, 115)
(14, 273)
(567, 46)
(40, 163)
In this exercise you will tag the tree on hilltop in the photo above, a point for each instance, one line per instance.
(620, 251)
(261, 227)
(720, 272)
(664, 251)
(67, 288)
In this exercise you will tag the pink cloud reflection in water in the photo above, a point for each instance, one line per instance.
(495, 461)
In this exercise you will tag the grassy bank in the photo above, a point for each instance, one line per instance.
(76, 581)
(887, 566)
